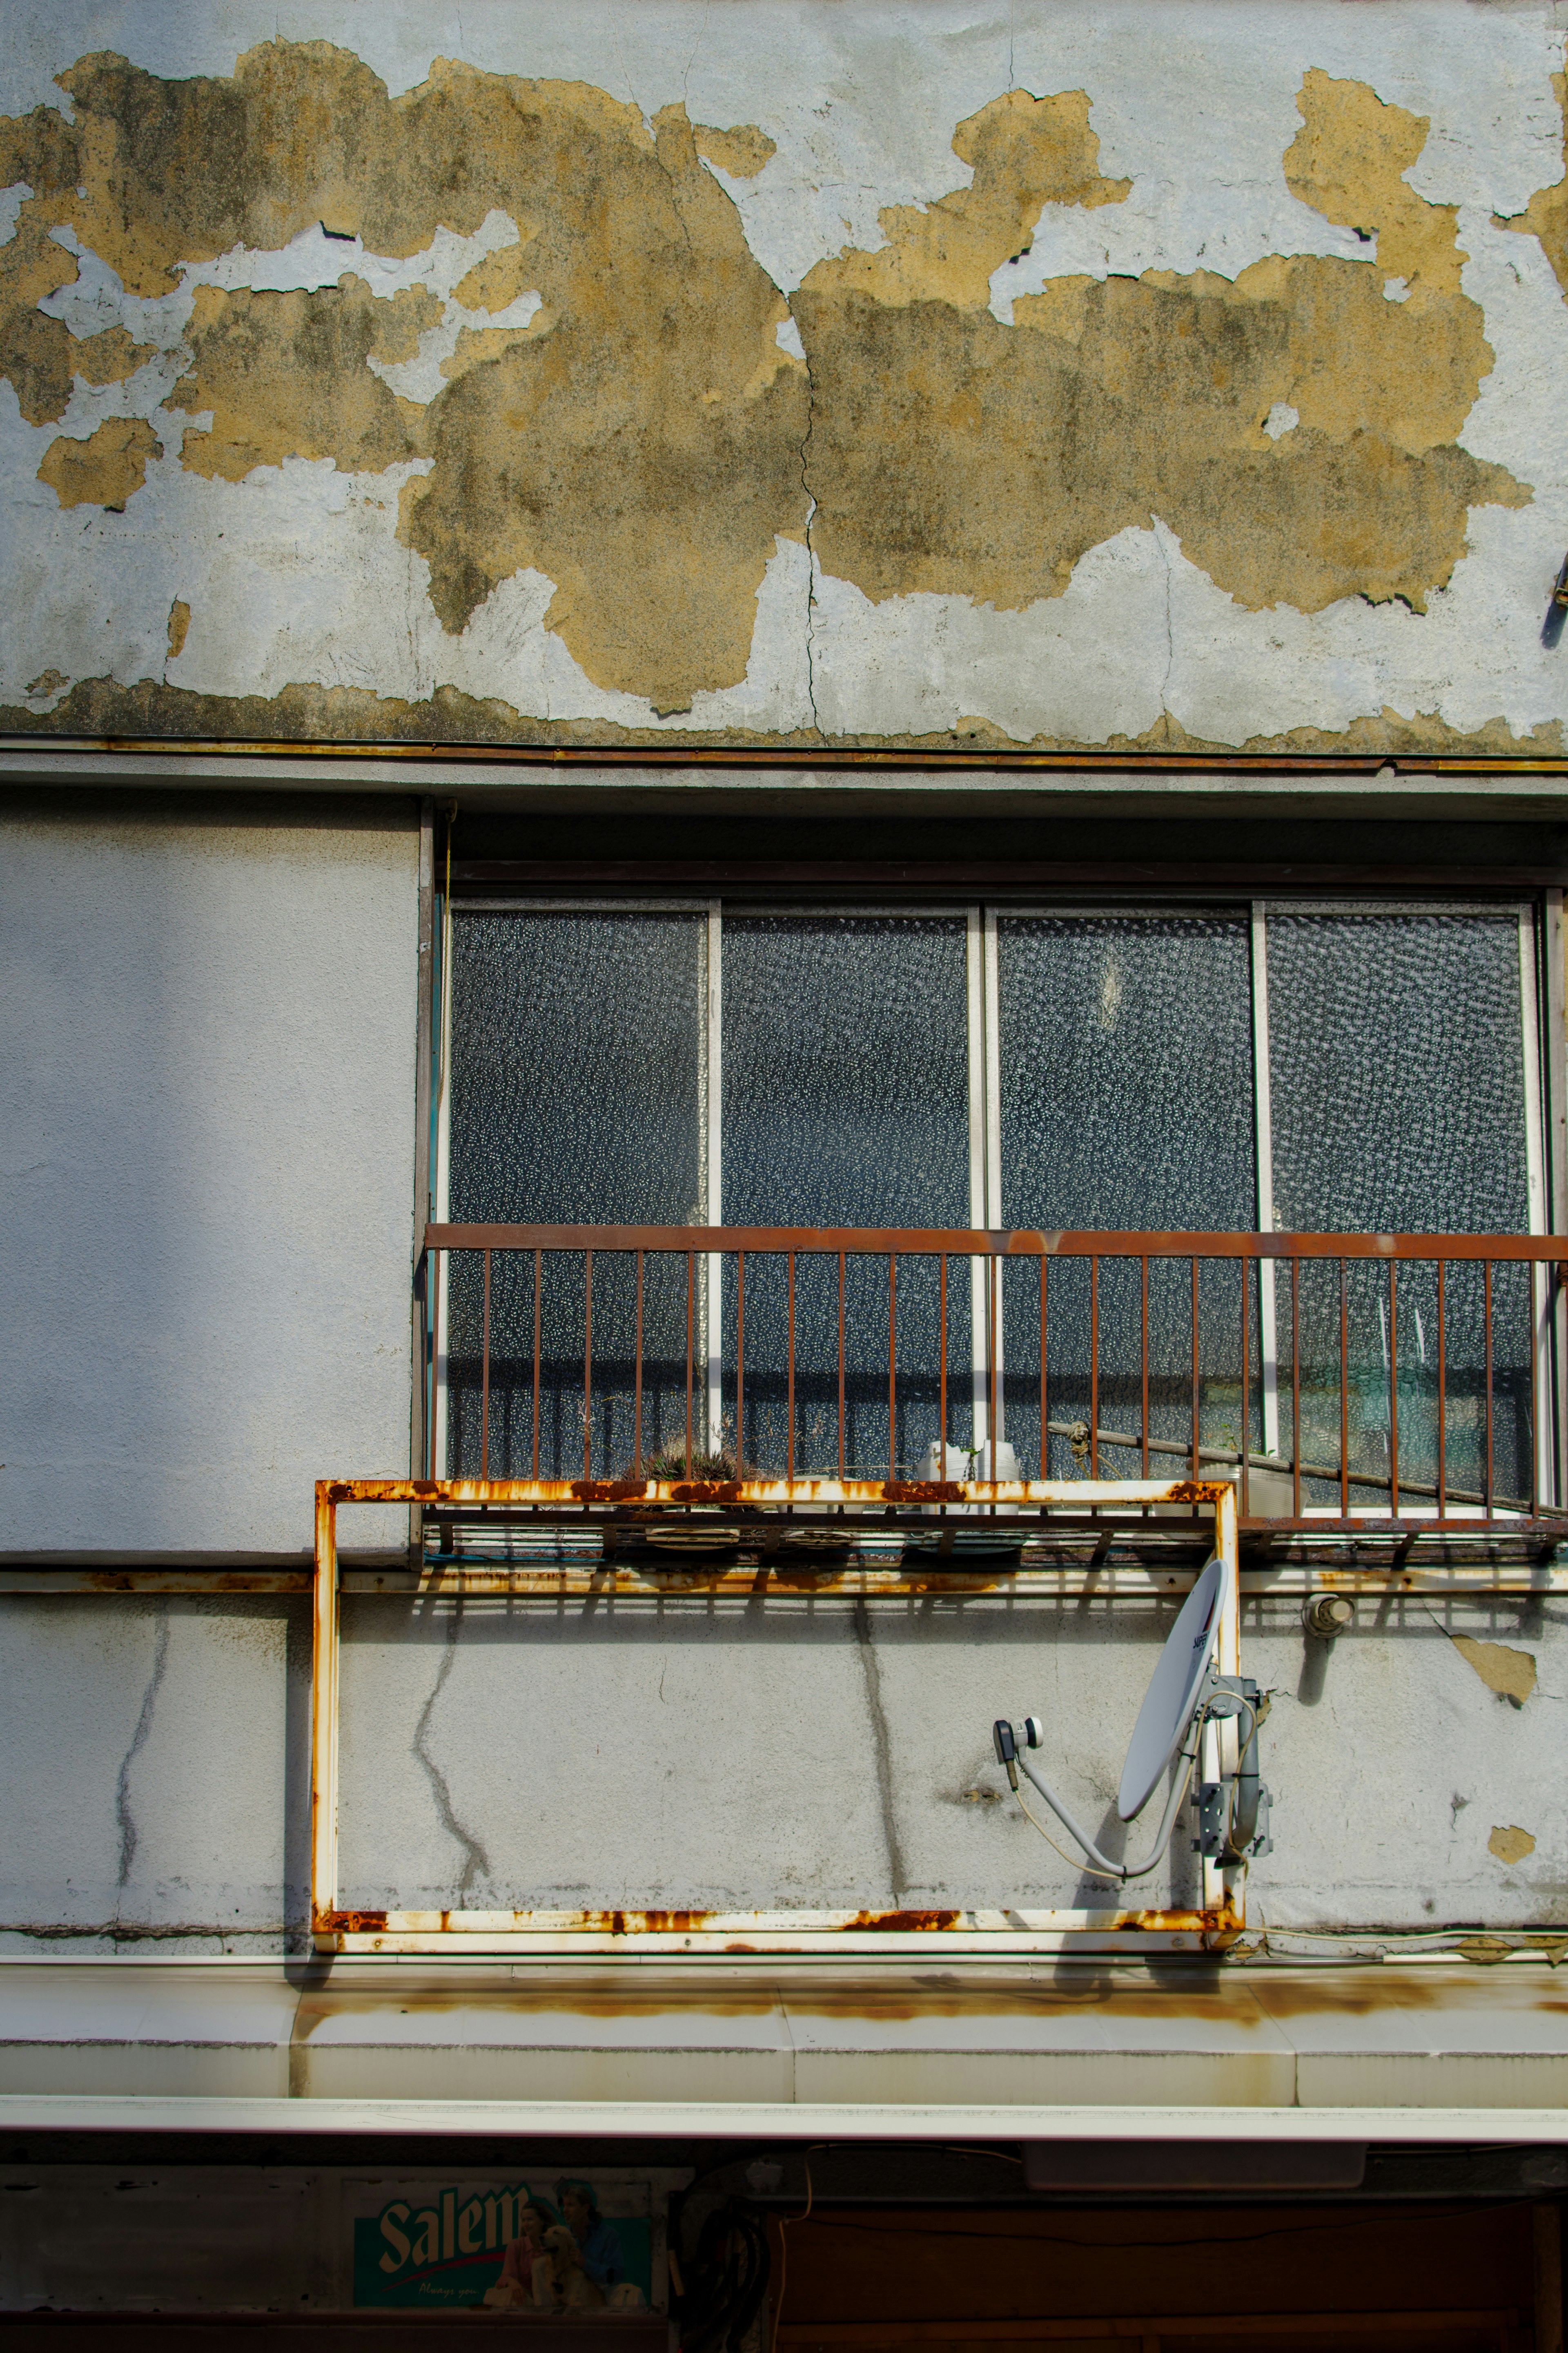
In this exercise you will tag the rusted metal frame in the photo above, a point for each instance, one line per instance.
(637, 1371)
(893, 1370)
(1244, 1441)
(942, 1371)
(1144, 1358)
(1487, 1482)
(1078, 1494)
(1554, 1125)
(992, 1284)
(1223, 1885)
(740, 1358)
(1345, 1399)
(1442, 1396)
(842, 1407)
(789, 1383)
(485, 1385)
(1093, 1369)
(690, 1328)
(436, 1286)
(588, 1371)
(423, 1023)
(1531, 1319)
(324, 1697)
(1296, 1387)
(538, 1332)
(1278, 1573)
(1195, 1377)
(479, 754)
(961, 1241)
(334, 1928)
(1393, 1389)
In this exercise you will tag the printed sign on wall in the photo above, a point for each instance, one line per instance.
(570, 2244)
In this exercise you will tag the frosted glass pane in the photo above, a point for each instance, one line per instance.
(845, 1101)
(1397, 1072)
(1126, 1049)
(576, 1095)
(1126, 1105)
(1396, 1056)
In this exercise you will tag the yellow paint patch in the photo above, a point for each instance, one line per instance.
(1510, 1673)
(1509, 1843)
(1026, 152)
(1108, 404)
(285, 376)
(496, 281)
(742, 152)
(179, 627)
(1349, 161)
(646, 444)
(1546, 214)
(105, 469)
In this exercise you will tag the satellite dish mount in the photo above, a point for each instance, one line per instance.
(1184, 1693)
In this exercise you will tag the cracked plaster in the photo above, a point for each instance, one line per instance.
(298, 587)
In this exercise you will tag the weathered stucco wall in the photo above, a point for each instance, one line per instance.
(789, 1756)
(206, 1085)
(1044, 374)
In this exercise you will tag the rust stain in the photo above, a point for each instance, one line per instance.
(923, 1491)
(106, 468)
(901, 1921)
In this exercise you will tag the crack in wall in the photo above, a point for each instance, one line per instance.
(870, 1668)
(138, 1742)
(810, 519)
(476, 1861)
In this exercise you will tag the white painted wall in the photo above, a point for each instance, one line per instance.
(207, 1188)
(789, 1756)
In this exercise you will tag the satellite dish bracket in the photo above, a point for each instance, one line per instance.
(1185, 1693)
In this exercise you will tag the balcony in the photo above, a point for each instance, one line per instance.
(927, 1400)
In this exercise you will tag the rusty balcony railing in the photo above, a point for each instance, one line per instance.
(1337, 1378)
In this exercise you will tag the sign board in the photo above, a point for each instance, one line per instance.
(589, 2244)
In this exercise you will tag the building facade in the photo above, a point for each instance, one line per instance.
(783, 879)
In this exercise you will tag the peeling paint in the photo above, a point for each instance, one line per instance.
(1111, 402)
(1546, 214)
(609, 444)
(1508, 1673)
(285, 376)
(1511, 1844)
(104, 471)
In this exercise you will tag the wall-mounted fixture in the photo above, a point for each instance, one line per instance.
(1327, 1614)
(1186, 1700)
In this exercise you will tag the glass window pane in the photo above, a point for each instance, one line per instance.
(1396, 1056)
(1396, 1068)
(1126, 1051)
(1127, 1106)
(576, 1082)
(845, 1104)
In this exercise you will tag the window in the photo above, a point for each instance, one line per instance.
(1339, 1068)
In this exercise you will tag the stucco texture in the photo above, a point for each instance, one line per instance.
(1062, 377)
(790, 1757)
(207, 1069)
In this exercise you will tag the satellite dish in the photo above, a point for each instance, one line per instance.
(1172, 1692)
